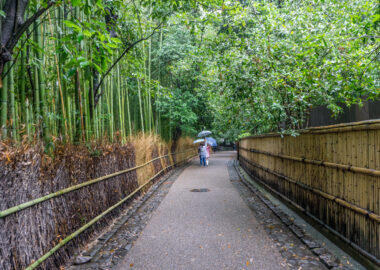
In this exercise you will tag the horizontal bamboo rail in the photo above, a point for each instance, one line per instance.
(30, 203)
(330, 197)
(346, 127)
(332, 172)
(97, 218)
(318, 162)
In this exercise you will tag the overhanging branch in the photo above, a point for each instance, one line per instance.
(126, 50)
(23, 27)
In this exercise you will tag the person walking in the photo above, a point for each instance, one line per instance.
(202, 152)
(208, 149)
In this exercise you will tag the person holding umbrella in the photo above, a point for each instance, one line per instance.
(202, 152)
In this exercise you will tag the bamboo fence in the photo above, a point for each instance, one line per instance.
(183, 156)
(331, 172)
(25, 205)
(64, 241)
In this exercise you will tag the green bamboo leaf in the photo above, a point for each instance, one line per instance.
(71, 24)
(84, 64)
(87, 33)
(76, 3)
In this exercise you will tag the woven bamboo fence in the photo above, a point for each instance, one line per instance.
(332, 173)
(82, 204)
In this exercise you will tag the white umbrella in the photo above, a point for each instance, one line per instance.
(198, 141)
(204, 133)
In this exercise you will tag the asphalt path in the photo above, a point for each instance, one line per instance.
(204, 230)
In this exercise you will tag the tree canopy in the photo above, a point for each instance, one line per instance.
(79, 70)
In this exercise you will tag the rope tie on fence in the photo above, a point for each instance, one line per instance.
(349, 168)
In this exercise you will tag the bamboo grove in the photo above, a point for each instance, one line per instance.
(83, 71)
(75, 71)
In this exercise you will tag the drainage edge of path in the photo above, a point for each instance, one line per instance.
(98, 243)
(324, 253)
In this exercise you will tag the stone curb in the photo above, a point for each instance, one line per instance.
(324, 255)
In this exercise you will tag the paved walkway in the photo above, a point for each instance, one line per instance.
(211, 230)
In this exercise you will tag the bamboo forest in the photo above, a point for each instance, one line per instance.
(79, 70)
(261, 117)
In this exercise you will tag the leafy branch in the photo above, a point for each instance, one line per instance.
(126, 50)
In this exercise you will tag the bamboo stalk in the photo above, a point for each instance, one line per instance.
(140, 105)
(150, 113)
(22, 206)
(4, 106)
(128, 109)
(40, 81)
(13, 119)
(22, 85)
(29, 114)
(120, 110)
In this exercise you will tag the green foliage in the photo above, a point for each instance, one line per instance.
(178, 107)
(236, 67)
(273, 62)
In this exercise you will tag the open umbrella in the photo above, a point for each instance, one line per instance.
(204, 133)
(211, 141)
(198, 141)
